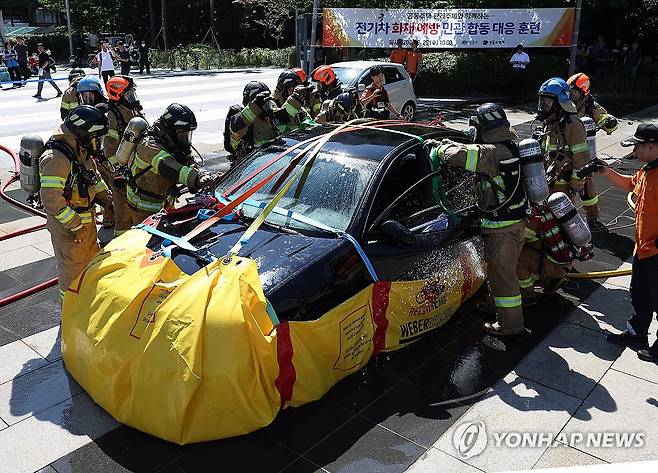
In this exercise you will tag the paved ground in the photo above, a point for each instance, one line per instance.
(398, 413)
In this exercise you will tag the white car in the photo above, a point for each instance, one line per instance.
(396, 82)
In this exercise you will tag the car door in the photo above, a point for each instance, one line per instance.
(419, 213)
(395, 85)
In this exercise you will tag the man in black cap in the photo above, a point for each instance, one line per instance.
(644, 280)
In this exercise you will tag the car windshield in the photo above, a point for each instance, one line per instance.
(326, 196)
(346, 74)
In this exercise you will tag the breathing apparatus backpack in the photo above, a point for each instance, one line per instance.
(245, 142)
(552, 238)
(512, 193)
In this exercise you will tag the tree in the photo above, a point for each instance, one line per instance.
(269, 16)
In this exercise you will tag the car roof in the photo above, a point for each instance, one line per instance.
(375, 142)
(363, 64)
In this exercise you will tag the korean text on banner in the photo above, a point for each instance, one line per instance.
(448, 28)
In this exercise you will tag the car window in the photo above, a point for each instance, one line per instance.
(366, 79)
(392, 75)
(346, 74)
(401, 175)
(329, 193)
(424, 204)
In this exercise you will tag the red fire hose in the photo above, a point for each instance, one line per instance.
(46, 284)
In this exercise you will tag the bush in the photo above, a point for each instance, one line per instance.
(201, 56)
(470, 73)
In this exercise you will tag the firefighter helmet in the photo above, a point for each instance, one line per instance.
(325, 75)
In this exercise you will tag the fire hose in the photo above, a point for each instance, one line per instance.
(3, 193)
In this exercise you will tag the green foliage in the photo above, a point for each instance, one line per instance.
(201, 56)
(469, 73)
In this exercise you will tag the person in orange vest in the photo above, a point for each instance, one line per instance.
(644, 284)
(414, 59)
(399, 54)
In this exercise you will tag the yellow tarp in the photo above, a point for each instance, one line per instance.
(194, 358)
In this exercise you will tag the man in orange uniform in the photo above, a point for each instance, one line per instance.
(399, 54)
(414, 59)
(644, 281)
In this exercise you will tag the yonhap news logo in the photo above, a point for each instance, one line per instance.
(471, 439)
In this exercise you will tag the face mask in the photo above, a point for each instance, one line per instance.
(131, 99)
(184, 139)
(545, 107)
(88, 98)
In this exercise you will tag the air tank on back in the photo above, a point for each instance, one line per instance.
(135, 129)
(29, 154)
(570, 221)
(590, 129)
(532, 170)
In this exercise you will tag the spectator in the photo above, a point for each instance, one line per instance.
(617, 53)
(582, 63)
(21, 57)
(414, 60)
(123, 56)
(144, 60)
(10, 58)
(519, 61)
(399, 55)
(45, 63)
(105, 62)
(598, 57)
(633, 60)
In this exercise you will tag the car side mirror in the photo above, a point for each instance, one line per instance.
(397, 232)
(362, 88)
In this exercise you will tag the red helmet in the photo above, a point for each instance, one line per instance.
(325, 75)
(300, 72)
(580, 81)
(117, 85)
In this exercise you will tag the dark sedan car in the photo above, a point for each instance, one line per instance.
(304, 268)
(319, 251)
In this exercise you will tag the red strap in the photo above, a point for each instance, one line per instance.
(228, 208)
(285, 382)
(380, 293)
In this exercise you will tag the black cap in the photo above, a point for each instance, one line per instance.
(645, 133)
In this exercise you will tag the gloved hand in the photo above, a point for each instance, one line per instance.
(102, 107)
(301, 93)
(206, 181)
(261, 100)
(429, 145)
(610, 124)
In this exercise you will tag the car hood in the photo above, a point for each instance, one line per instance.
(302, 276)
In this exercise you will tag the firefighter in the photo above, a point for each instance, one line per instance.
(123, 106)
(260, 120)
(70, 185)
(290, 82)
(70, 97)
(563, 137)
(163, 160)
(586, 106)
(339, 110)
(503, 202)
(327, 87)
